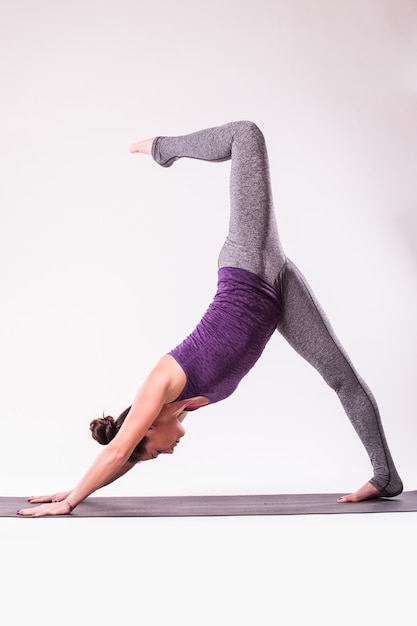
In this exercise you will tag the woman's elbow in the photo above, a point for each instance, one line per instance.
(116, 456)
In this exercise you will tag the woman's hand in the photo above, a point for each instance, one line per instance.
(55, 497)
(51, 508)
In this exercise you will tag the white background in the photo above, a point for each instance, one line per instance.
(107, 261)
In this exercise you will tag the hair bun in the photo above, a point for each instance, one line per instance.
(103, 429)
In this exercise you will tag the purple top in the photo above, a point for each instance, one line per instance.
(231, 336)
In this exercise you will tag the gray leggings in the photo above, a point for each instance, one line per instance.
(253, 244)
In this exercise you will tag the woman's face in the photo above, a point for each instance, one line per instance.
(167, 429)
(162, 438)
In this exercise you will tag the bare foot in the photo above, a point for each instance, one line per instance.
(143, 147)
(367, 492)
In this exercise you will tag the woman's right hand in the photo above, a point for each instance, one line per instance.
(55, 497)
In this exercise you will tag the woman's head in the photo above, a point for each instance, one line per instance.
(104, 429)
(162, 436)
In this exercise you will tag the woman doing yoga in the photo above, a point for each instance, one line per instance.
(259, 290)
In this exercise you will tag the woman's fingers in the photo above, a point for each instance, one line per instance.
(55, 497)
(52, 508)
(39, 499)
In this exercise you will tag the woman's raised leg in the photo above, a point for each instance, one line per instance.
(252, 242)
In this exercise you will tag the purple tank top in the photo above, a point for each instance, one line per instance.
(231, 336)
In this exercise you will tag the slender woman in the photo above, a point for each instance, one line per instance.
(259, 290)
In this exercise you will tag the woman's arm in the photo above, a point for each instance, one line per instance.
(162, 386)
(63, 495)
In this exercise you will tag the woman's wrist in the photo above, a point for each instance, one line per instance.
(71, 506)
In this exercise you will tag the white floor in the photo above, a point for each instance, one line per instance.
(292, 570)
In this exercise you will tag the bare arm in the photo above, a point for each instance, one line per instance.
(162, 386)
(63, 495)
(122, 471)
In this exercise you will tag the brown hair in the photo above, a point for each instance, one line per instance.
(104, 429)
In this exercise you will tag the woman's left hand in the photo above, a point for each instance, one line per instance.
(55, 497)
(51, 508)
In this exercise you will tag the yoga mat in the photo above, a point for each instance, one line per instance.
(229, 505)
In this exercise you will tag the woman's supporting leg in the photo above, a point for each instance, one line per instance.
(252, 242)
(304, 325)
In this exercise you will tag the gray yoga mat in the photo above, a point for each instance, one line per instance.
(224, 505)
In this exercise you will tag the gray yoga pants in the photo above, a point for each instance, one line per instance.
(253, 244)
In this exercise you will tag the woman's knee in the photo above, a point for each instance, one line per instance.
(248, 131)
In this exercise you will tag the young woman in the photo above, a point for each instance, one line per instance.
(259, 290)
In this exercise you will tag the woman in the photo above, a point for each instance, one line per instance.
(259, 290)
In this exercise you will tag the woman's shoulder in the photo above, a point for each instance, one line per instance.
(171, 373)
